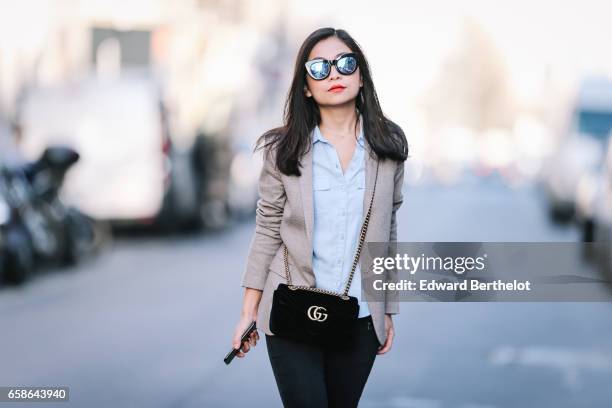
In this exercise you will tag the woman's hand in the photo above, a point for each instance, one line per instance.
(390, 334)
(242, 325)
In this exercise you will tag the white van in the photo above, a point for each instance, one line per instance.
(579, 155)
(119, 128)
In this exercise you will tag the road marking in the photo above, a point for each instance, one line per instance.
(569, 361)
(404, 401)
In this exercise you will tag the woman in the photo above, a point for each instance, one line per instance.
(317, 177)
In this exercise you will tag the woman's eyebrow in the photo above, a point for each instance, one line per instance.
(337, 55)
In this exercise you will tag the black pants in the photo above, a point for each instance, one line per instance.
(308, 376)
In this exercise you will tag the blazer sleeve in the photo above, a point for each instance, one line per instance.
(391, 298)
(269, 213)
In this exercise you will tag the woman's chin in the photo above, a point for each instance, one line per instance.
(337, 102)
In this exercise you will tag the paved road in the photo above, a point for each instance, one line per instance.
(148, 322)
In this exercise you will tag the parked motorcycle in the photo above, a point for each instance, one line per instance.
(69, 234)
(40, 227)
(16, 251)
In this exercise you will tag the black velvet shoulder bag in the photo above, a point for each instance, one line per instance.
(317, 316)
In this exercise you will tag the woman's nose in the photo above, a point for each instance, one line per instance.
(334, 72)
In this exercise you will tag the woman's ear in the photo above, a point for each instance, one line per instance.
(307, 92)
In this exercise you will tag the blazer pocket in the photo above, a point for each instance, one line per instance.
(278, 266)
(321, 184)
(279, 272)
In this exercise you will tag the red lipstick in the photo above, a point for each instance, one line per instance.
(336, 88)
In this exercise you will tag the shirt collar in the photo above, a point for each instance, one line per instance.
(318, 136)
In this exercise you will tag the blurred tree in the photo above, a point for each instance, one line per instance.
(471, 88)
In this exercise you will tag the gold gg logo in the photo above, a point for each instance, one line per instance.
(315, 313)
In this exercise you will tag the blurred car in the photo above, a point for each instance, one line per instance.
(129, 172)
(4, 217)
(602, 219)
(210, 159)
(228, 173)
(570, 172)
(590, 192)
(244, 177)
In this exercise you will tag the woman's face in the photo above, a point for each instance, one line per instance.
(330, 48)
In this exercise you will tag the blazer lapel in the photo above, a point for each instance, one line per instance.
(306, 191)
(370, 173)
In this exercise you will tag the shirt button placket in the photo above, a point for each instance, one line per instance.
(343, 219)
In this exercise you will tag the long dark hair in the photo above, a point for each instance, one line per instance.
(301, 114)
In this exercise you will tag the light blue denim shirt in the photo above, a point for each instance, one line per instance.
(338, 215)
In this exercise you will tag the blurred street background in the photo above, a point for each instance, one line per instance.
(128, 189)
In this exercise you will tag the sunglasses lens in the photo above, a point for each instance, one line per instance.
(319, 69)
(347, 65)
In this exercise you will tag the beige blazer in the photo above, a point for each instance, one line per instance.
(285, 214)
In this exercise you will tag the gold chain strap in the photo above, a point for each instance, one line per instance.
(364, 228)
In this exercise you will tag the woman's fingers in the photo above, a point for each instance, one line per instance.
(384, 348)
(254, 337)
(388, 342)
(251, 341)
(236, 341)
(244, 348)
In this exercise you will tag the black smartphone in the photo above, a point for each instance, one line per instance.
(245, 336)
